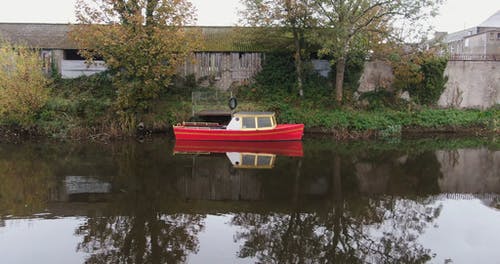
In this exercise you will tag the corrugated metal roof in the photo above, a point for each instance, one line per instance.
(225, 39)
(459, 35)
(49, 36)
(55, 36)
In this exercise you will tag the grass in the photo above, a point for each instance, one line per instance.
(83, 108)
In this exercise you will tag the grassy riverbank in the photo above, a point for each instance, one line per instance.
(85, 117)
(83, 109)
(351, 123)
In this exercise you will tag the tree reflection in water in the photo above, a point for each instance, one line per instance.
(360, 230)
(386, 232)
(141, 228)
(358, 209)
(132, 239)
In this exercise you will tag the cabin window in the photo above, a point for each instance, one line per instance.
(247, 160)
(264, 122)
(264, 160)
(249, 122)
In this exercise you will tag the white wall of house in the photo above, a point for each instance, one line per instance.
(76, 68)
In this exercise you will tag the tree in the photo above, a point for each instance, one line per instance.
(293, 16)
(361, 24)
(142, 42)
(23, 86)
(421, 73)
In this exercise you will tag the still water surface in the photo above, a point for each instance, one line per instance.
(408, 201)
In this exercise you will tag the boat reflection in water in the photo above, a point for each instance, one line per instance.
(248, 155)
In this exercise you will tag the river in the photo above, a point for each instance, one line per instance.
(316, 201)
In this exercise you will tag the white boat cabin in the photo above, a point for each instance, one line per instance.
(251, 160)
(252, 121)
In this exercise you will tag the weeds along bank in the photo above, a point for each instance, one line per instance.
(34, 105)
(84, 108)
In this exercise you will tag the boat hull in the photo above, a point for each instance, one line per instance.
(280, 133)
(283, 148)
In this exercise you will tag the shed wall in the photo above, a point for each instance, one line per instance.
(223, 69)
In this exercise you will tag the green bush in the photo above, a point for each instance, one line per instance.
(23, 86)
(379, 99)
(432, 85)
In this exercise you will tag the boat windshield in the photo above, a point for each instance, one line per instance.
(249, 122)
(256, 161)
(252, 121)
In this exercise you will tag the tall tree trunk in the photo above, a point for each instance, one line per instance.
(298, 61)
(338, 201)
(339, 79)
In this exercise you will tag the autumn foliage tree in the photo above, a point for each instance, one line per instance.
(362, 24)
(143, 42)
(295, 17)
(23, 86)
(421, 73)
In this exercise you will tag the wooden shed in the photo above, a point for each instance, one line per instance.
(224, 60)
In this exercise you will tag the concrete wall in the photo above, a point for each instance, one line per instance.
(471, 84)
(474, 171)
(469, 171)
(376, 74)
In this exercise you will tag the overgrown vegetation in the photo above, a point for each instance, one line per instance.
(142, 42)
(140, 84)
(422, 75)
(386, 115)
(85, 107)
(23, 87)
(277, 82)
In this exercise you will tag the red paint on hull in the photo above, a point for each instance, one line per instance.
(280, 133)
(284, 148)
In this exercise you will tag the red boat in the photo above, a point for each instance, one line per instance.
(243, 155)
(282, 148)
(244, 126)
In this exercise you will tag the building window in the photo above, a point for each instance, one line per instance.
(72, 54)
(498, 35)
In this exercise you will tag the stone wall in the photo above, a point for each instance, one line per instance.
(471, 84)
(376, 74)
